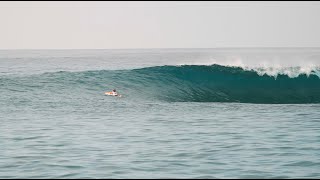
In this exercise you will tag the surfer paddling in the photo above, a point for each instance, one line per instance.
(112, 93)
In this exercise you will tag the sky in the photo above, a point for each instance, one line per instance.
(141, 24)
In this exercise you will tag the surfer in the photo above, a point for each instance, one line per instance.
(112, 93)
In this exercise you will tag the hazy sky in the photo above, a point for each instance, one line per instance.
(90, 25)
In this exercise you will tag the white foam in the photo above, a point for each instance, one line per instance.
(272, 62)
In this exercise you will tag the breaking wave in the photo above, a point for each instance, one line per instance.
(184, 83)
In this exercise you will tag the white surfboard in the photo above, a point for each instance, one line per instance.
(112, 94)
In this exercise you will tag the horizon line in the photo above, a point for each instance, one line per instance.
(249, 47)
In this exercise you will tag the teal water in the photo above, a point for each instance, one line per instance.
(192, 121)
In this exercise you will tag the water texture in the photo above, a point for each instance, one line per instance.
(178, 117)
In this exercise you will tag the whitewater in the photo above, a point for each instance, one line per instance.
(184, 113)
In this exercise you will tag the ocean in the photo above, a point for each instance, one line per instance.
(183, 113)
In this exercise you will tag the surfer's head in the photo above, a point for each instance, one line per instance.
(114, 90)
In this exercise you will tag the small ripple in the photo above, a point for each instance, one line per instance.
(31, 157)
(28, 138)
(204, 177)
(69, 175)
(252, 177)
(9, 166)
(303, 164)
(302, 114)
(280, 177)
(181, 155)
(65, 166)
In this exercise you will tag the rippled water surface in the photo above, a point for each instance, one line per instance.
(55, 130)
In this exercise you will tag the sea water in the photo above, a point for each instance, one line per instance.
(184, 113)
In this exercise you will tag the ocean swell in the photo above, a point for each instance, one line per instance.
(185, 83)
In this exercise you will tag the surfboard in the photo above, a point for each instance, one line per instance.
(112, 94)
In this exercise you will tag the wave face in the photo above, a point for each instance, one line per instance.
(186, 83)
(229, 84)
